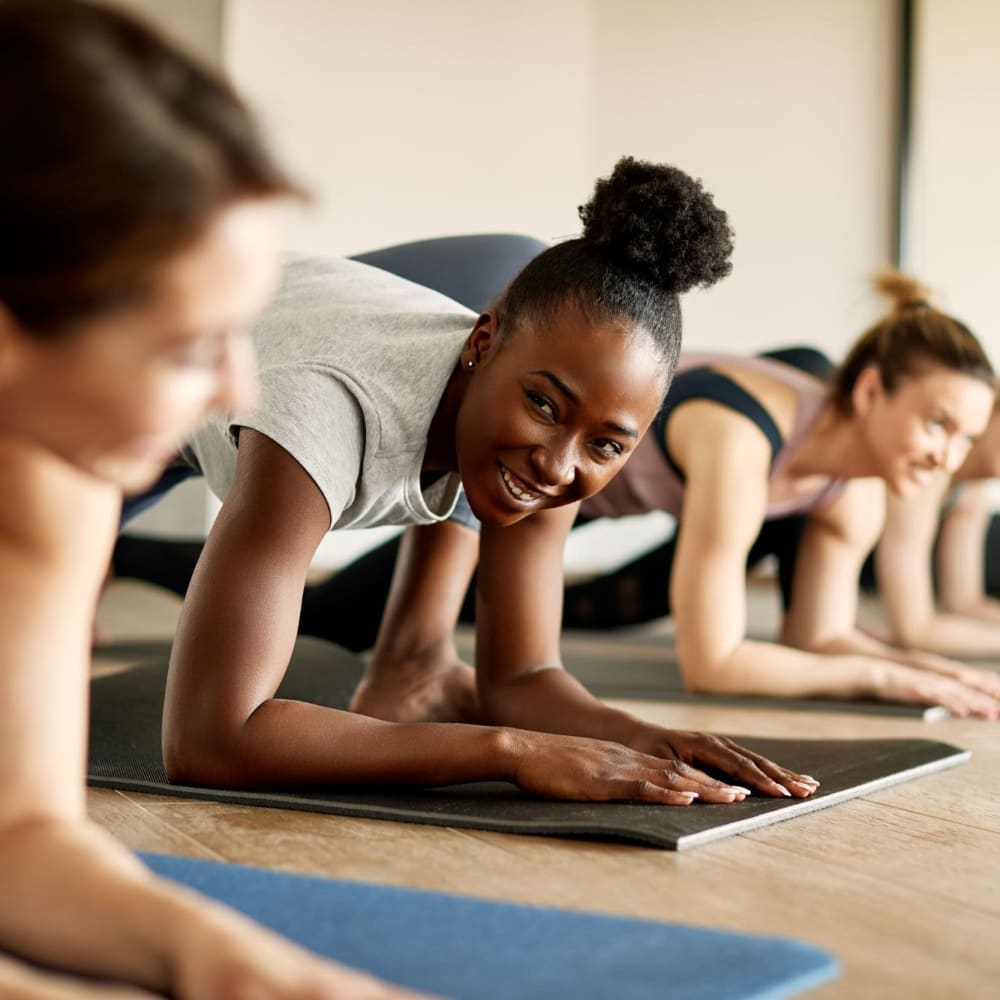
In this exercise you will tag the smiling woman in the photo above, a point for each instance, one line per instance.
(756, 457)
(137, 242)
(380, 401)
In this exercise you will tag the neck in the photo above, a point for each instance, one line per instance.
(834, 447)
(441, 455)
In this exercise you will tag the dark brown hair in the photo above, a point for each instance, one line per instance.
(117, 149)
(913, 336)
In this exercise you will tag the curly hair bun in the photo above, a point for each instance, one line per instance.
(661, 224)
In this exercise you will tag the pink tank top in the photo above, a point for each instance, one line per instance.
(648, 481)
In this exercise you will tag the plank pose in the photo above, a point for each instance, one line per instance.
(138, 240)
(759, 456)
(380, 401)
(935, 559)
(741, 444)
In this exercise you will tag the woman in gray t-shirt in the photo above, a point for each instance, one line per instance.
(378, 400)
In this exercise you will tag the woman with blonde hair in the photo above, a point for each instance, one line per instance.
(744, 442)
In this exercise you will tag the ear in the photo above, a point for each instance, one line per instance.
(485, 337)
(868, 391)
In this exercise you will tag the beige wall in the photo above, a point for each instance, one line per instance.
(956, 202)
(195, 23)
(444, 116)
(416, 119)
(785, 109)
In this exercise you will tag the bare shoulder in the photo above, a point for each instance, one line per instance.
(706, 437)
(776, 395)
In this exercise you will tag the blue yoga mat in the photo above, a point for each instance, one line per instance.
(472, 949)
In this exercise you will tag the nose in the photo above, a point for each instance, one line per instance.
(554, 464)
(236, 387)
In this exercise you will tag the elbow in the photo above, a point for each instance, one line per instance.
(201, 755)
(909, 634)
(701, 676)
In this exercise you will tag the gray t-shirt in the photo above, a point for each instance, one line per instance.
(353, 362)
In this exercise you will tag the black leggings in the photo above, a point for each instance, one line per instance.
(347, 607)
(639, 591)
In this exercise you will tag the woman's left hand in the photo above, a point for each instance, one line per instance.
(986, 681)
(705, 750)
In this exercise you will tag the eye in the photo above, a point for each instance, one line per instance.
(607, 447)
(542, 403)
(202, 354)
(935, 424)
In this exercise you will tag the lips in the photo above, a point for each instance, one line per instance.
(921, 474)
(518, 489)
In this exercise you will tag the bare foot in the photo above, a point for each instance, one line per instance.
(415, 693)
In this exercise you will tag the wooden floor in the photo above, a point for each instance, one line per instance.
(903, 886)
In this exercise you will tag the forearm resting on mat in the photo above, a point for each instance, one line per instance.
(294, 743)
(75, 900)
(768, 668)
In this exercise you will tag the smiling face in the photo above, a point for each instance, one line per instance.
(548, 417)
(928, 424)
(118, 395)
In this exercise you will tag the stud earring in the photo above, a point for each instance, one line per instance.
(470, 364)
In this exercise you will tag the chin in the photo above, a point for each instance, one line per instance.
(907, 486)
(131, 477)
(490, 514)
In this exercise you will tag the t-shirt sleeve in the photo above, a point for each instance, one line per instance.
(462, 513)
(318, 421)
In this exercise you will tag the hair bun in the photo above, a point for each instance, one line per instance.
(902, 290)
(661, 224)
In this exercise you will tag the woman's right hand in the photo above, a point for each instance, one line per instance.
(220, 953)
(913, 686)
(591, 770)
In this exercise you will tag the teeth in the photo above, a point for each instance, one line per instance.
(519, 493)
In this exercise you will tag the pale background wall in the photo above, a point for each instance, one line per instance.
(417, 118)
(956, 201)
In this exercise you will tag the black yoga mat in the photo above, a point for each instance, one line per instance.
(647, 670)
(627, 669)
(125, 754)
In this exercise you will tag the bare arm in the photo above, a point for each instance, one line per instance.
(960, 625)
(822, 653)
(961, 557)
(73, 898)
(223, 725)
(726, 462)
(522, 681)
(823, 615)
(415, 672)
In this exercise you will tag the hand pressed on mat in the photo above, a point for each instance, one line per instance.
(719, 753)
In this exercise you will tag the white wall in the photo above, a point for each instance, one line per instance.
(956, 204)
